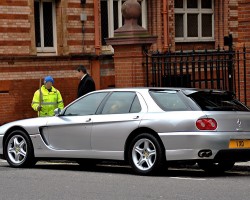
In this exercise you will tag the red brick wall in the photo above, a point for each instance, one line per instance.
(78, 40)
(244, 40)
(129, 72)
(19, 79)
(107, 73)
(16, 103)
(233, 20)
(17, 31)
(225, 15)
(16, 94)
(21, 67)
(15, 36)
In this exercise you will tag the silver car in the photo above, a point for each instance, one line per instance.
(146, 127)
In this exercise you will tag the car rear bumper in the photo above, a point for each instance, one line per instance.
(188, 146)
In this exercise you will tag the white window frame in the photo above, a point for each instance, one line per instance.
(111, 15)
(43, 49)
(198, 11)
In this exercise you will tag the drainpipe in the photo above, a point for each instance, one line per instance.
(95, 63)
(97, 31)
(165, 24)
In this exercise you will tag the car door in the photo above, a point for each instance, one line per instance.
(120, 115)
(71, 130)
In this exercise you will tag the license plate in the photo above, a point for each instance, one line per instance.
(239, 144)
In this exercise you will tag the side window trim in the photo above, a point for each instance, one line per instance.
(135, 97)
(102, 104)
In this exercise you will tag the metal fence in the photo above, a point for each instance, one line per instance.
(213, 69)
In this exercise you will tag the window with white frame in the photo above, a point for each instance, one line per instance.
(112, 19)
(194, 20)
(45, 25)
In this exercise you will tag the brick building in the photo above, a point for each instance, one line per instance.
(52, 37)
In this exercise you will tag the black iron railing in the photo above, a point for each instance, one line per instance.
(213, 69)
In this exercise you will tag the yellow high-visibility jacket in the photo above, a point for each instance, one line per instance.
(49, 101)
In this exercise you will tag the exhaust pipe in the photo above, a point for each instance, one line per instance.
(205, 153)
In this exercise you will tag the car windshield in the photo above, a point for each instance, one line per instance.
(217, 101)
(168, 100)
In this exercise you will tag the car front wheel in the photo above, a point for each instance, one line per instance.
(146, 155)
(18, 150)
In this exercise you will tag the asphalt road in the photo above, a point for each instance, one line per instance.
(67, 181)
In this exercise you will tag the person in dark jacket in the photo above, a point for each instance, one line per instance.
(86, 84)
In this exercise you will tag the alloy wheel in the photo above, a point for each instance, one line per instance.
(17, 149)
(144, 154)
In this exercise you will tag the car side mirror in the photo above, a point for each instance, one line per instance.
(57, 111)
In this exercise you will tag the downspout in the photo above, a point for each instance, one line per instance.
(95, 63)
(165, 24)
(221, 22)
(97, 30)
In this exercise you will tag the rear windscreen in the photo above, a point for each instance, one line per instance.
(217, 101)
(168, 100)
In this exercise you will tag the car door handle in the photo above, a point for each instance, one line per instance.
(88, 120)
(136, 117)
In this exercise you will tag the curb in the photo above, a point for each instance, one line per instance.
(237, 165)
(243, 164)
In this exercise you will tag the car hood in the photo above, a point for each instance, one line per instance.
(31, 125)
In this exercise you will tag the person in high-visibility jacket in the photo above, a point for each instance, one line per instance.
(50, 99)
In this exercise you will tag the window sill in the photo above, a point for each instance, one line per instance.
(193, 40)
(107, 49)
(46, 54)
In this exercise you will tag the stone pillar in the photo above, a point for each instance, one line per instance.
(128, 43)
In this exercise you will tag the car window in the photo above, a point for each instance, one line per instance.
(121, 102)
(217, 101)
(168, 100)
(86, 105)
(136, 106)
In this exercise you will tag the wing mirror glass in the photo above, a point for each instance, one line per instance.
(57, 111)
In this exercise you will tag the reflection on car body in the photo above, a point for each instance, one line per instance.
(146, 127)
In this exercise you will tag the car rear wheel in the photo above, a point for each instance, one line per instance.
(19, 150)
(146, 155)
(216, 167)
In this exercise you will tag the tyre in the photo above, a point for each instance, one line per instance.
(216, 167)
(146, 156)
(19, 150)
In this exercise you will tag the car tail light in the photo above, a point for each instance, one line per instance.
(206, 124)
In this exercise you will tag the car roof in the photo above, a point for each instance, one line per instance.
(186, 91)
